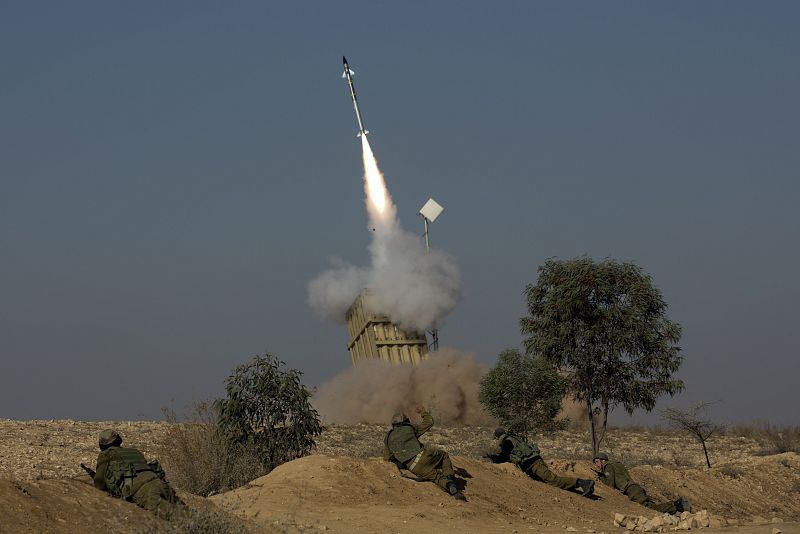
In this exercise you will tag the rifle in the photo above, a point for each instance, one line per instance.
(89, 470)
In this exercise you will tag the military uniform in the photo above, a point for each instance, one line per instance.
(526, 456)
(123, 472)
(402, 446)
(615, 475)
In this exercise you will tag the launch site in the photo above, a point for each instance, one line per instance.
(527, 267)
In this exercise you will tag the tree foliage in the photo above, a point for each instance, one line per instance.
(523, 392)
(605, 325)
(268, 410)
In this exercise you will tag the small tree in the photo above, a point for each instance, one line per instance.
(695, 421)
(523, 392)
(268, 410)
(605, 325)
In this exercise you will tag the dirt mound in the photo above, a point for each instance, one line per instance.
(369, 495)
(68, 506)
(343, 494)
(761, 486)
(73, 505)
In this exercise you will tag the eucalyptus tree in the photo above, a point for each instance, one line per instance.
(604, 326)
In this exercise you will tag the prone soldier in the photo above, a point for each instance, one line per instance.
(123, 472)
(615, 475)
(526, 456)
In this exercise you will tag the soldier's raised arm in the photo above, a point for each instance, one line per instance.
(426, 423)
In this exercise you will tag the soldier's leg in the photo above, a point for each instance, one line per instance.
(434, 465)
(156, 497)
(637, 494)
(668, 507)
(538, 470)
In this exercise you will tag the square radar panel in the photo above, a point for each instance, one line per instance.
(431, 210)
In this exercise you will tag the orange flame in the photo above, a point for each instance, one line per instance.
(379, 202)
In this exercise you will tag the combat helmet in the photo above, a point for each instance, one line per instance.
(109, 438)
(600, 456)
(499, 431)
(400, 419)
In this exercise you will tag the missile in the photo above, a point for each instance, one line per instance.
(348, 75)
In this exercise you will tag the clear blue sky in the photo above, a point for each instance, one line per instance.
(172, 174)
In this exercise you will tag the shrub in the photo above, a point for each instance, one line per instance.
(523, 392)
(777, 440)
(268, 412)
(199, 458)
(731, 471)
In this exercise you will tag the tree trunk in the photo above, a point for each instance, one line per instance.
(594, 430)
(605, 423)
(705, 451)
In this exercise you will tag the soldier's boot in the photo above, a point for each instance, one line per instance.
(586, 486)
(682, 504)
(453, 490)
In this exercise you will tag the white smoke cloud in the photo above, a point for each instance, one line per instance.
(332, 292)
(415, 288)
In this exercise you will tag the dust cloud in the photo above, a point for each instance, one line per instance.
(447, 383)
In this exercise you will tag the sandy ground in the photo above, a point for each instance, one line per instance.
(340, 494)
(349, 489)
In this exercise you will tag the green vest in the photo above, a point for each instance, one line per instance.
(123, 466)
(522, 449)
(403, 443)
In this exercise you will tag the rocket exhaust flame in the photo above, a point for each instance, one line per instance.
(379, 203)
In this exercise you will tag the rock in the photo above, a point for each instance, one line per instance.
(683, 524)
(777, 520)
(572, 529)
(716, 522)
(776, 530)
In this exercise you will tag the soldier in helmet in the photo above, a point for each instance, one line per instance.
(402, 446)
(526, 456)
(615, 475)
(123, 472)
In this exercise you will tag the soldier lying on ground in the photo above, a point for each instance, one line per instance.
(123, 472)
(615, 475)
(526, 456)
(402, 447)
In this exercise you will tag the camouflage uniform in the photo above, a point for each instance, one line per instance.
(123, 472)
(615, 475)
(402, 446)
(526, 456)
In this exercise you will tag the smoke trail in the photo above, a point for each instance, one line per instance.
(447, 383)
(414, 288)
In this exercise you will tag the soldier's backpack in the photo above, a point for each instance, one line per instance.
(119, 478)
(125, 463)
(522, 450)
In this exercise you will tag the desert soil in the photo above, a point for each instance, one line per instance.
(345, 487)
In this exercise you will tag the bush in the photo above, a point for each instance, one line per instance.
(777, 440)
(268, 412)
(524, 393)
(199, 458)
